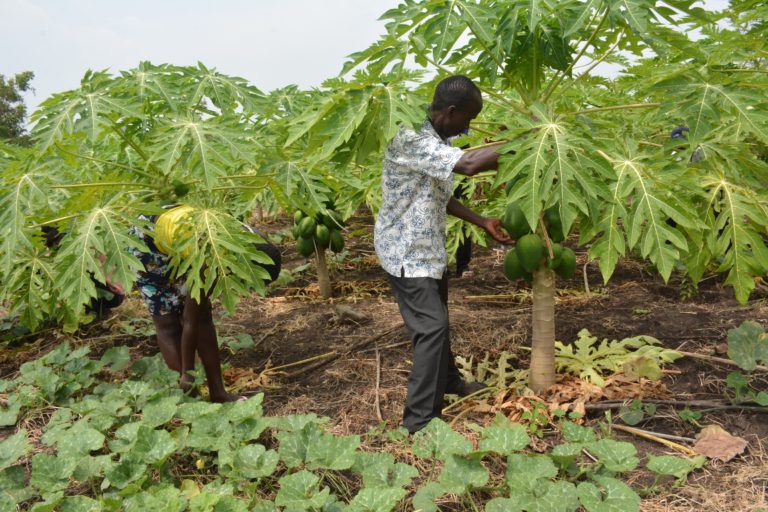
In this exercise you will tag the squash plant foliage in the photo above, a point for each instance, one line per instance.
(123, 145)
(598, 150)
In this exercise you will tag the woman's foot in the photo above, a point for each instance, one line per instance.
(187, 385)
(220, 398)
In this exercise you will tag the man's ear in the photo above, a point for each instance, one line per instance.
(451, 109)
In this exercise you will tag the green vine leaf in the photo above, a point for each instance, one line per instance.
(255, 461)
(301, 491)
(748, 345)
(679, 467)
(12, 448)
(504, 437)
(611, 496)
(438, 440)
(616, 456)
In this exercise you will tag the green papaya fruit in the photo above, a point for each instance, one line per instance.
(337, 241)
(305, 246)
(333, 220)
(514, 221)
(557, 252)
(554, 224)
(180, 189)
(530, 249)
(567, 267)
(512, 267)
(307, 227)
(298, 216)
(322, 236)
(528, 278)
(295, 232)
(511, 183)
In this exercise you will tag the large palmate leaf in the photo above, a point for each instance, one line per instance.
(94, 248)
(28, 288)
(217, 257)
(19, 197)
(549, 167)
(739, 217)
(356, 119)
(204, 149)
(636, 216)
(92, 109)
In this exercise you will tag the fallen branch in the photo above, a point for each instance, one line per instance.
(708, 405)
(657, 438)
(721, 360)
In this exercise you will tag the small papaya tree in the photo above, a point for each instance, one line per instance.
(595, 152)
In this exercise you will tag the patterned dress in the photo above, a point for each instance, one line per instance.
(162, 294)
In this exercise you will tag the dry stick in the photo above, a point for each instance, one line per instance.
(658, 439)
(719, 360)
(267, 334)
(586, 280)
(459, 416)
(468, 397)
(680, 439)
(386, 347)
(303, 361)
(377, 404)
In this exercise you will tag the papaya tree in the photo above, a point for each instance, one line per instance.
(125, 145)
(597, 153)
(340, 135)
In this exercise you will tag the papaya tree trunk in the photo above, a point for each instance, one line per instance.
(543, 345)
(323, 277)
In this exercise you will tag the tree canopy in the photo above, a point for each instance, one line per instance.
(13, 111)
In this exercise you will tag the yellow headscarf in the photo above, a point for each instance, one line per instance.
(167, 226)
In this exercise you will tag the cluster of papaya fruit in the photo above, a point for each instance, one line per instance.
(530, 251)
(319, 232)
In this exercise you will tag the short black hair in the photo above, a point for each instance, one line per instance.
(457, 90)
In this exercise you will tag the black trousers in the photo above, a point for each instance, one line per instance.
(464, 250)
(423, 303)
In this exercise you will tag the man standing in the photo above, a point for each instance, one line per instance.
(409, 236)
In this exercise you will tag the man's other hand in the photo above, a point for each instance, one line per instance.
(494, 228)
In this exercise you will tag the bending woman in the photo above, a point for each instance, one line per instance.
(184, 327)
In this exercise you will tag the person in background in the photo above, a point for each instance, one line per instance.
(184, 327)
(409, 237)
(109, 294)
(464, 250)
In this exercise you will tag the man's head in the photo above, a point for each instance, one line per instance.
(456, 102)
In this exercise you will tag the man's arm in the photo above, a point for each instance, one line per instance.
(477, 160)
(492, 226)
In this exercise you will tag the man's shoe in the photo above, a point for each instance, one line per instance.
(464, 388)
